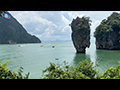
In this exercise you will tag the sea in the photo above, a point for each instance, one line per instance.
(35, 57)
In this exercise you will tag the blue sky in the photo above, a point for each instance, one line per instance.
(54, 25)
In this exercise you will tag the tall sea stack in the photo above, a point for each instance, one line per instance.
(81, 33)
(107, 34)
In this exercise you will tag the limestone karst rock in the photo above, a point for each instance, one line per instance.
(12, 32)
(81, 33)
(107, 34)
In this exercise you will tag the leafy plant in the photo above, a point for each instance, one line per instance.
(88, 19)
(111, 73)
(84, 70)
(6, 73)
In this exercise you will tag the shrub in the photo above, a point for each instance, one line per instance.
(84, 70)
(6, 73)
(111, 73)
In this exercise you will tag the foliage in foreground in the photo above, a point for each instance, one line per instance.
(6, 73)
(84, 70)
(111, 73)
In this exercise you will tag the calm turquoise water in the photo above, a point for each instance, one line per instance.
(36, 57)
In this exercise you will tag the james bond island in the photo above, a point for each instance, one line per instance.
(81, 33)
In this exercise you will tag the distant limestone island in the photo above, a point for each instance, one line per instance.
(107, 34)
(12, 32)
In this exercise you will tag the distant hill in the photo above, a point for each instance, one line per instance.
(11, 31)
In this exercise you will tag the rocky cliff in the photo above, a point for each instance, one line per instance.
(11, 31)
(81, 33)
(107, 34)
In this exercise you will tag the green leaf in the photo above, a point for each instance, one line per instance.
(21, 67)
(56, 58)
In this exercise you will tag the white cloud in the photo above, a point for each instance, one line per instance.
(95, 23)
(52, 25)
(66, 29)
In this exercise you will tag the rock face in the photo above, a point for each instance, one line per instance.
(80, 33)
(107, 34)
(12, 32)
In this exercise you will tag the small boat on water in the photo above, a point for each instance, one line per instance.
(41, 46)
(21, 45)
(53, 46)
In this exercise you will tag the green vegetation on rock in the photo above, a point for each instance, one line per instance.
(81, 33)
(107, 34)
(11, 31)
